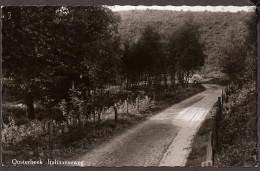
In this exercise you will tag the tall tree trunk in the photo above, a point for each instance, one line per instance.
(145, 80)
(99, 115)
(173, 80)
(127, 83)
(94, 115)
(94, 105)
(84, 94)
(181, 79)
(149, 81)
(108, 92)
(165, 80)
(121, 82)
(187, 78)
(89, 92)
(30, 104)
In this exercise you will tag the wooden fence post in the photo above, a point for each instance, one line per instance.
(115, 108)
(218, 118)
(127, 105)
(216, 129)
(217, 122)
(225, 95)
(146, 99)
(137, 103)
(209, 157)
(209, 148)
(222, 94)
(80, 119)
(219, 103)
(228, 89)
(222, 98)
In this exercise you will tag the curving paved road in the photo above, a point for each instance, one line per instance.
(163, 140)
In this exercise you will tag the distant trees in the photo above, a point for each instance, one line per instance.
(131, 65)
(238, 58)
(232, 61)
(150, 55)
(185, 51)
(143, 59)
(152, 61)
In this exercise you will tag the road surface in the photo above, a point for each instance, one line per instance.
(163, 140)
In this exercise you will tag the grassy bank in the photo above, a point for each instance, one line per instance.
(199, 144)
(79, 141)
(237, 132)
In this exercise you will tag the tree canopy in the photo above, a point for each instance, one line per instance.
(70, 56)
(238, 58)
(47, 49)
(186, 52)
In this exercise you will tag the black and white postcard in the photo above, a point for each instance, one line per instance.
(129, 86)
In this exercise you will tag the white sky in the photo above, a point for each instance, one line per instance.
(185, 8)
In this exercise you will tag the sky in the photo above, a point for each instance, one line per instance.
(186, 8)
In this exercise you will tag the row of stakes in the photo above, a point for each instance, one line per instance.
(51, 127)
(213, 142)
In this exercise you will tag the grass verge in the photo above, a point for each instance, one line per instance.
(79, 141)
(199, 144)
(237, 132)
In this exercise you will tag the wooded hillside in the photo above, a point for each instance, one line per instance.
(215, 28)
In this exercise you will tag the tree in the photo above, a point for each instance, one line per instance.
(150, 55)
(24, 58)
(131, 64)
(143, 60)
(186, 51)
(172, 58)
(48, 49)
(88, 46)
(250, 72)
(232, 59)
(238, 58)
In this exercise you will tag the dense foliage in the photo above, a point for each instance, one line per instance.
(70, 57)
(48, 50)
(238, 59)
(215, 29)
(237, 124)
(186, 52)
(238, 133)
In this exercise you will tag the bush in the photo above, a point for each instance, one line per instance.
(50, 113)
(75, 133)
(15, 112)
(238, 133)
(13, 134)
